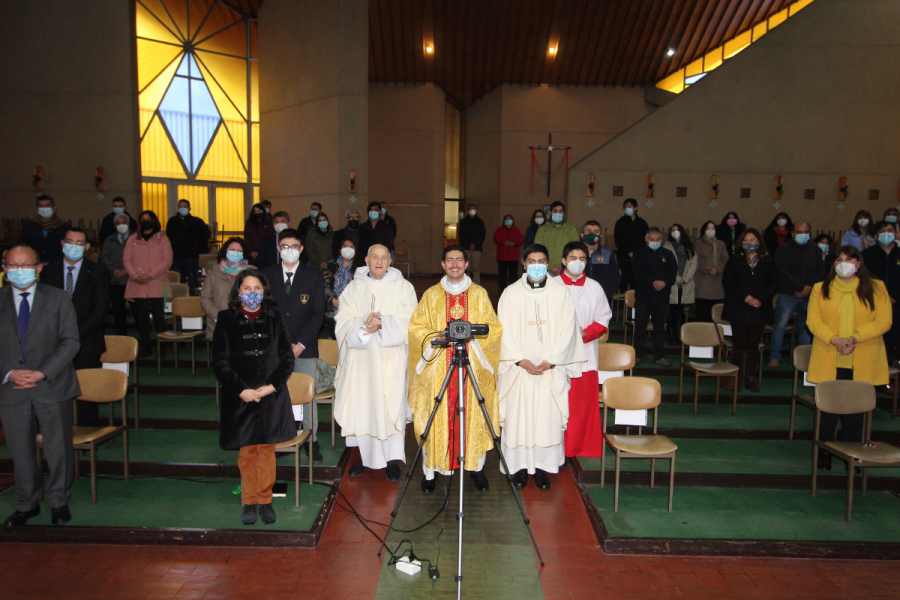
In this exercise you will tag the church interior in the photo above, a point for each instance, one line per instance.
(694, 108)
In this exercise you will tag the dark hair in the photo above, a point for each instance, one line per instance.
(536, 211)
(789, 226)
(705, 226)
(510, 216)
(315, 204)
(576, 246)
(78, 230)
(739, 246)
(266, 203)
(630, 202)
(870, 228)
(865, 291)
(223, 251)
(43, 197)
(153, 219)
(234, 297)
(534, 249)
(822, 236)
(557, 203)
(119, 199)
(472, 206)
(259, 206)
(320, 215)
(455, 248)
(180, 200)
(593, 223)
(731, 212)
(371, 204)
(651, 230)
(281, 213)
(891, 209)
(290, 233)
(884, 224)
(684, 241)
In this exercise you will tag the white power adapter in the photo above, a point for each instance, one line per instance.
(409, 567)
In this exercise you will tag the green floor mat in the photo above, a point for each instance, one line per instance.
(194, 407)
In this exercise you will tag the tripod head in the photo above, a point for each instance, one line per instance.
(458, 332)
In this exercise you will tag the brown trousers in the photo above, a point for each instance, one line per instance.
(257, 465)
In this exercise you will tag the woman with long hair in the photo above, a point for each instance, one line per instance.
(216, 290)
(509, 240)
(730, 230)
(147, 258)
(537, 219)
(253, 359)
(861, 234)
(778, 231)
(679, 244)
(257, 228)
(848, 314)
(318, 242)
(711, 260)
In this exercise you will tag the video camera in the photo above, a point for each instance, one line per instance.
(460, 331)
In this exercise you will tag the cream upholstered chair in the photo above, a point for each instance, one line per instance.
(328, 351)
(185, 307)
(173, 276)
(703, 335)
(172, 291)
(847, 398)
(615, 357)
(302, 388)
(124, 349)
(717, 310)
(636, 393)
(402, 256)
(618, 306)
(801, 365)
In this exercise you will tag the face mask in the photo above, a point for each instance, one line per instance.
(732, 222)
(323, 225)
(118, 210)
(21, 277)
(45, 213)
(313, 213)
(781, 222)
(575, 267)
(258, 216)
(824, 247)
(147, 224)
(383, 211)
(863, 222)
(751, 247)
(590, 238)
(890, 219)
(279, 227)
(353, 223)
(654, 245)
(710, 233)
(801, 238)
(472, 213)
(348, 253)
(508, 222)
(539, 221)
(557, 218)
(536, 272)
(629, 211)
(184, 211)
(267, 211)
(234, 256)
(676, 235)
(122, 229)
(290, 256)
(885, 238)
(845, 270)
(73, 252)
(374, 214)
(251, 300)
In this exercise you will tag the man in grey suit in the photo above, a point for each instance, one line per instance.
(38, 341)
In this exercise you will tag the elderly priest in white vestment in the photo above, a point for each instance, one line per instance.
(541, 350)
(372, 326)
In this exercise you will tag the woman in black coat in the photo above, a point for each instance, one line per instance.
(750, 281)
(252, 359)
(730, 230)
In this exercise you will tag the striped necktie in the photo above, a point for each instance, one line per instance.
(287, 284)
(70, 281)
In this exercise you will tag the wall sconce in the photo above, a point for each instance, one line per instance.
(779, 189)
(714, 187)
(429, 49)
(99, 180)
(38, 177)
(351, 187)
(589, 192)
(651, 186)
(843, 189)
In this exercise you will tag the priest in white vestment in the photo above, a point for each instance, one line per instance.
(541, 350)
(372, 327)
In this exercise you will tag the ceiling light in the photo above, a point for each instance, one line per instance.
(552, 50)
(429, 49)
(670, 52)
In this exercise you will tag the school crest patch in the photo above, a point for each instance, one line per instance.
(304, 298)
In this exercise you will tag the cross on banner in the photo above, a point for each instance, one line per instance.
(549, 148)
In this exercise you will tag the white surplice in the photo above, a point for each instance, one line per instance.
(538, 324)
(370, 383)
(591, 306)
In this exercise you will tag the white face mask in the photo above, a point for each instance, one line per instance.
(575, 267)
(676, 235)
(845, 269)
(472, 213)
(781, 222)
(279, 227)
(122, 229)
(710, 233)
(348, 252)
(539, 221)
(863, 222)
(290, 256)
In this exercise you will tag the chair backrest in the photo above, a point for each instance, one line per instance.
(629, 298)
(603, 338)
(102, 385)
(302, 388)
(615, 357)
(801, 358)
(702, 335)
(187, 307)
(402, 252)
(176, 290)
(845, 397)
(328, 351)
(173, 276)
(119, 349)
(717, 311)
(631, 393)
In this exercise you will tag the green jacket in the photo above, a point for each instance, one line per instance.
(555, 239)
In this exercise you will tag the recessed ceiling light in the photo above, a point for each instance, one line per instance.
(429, 49)
(670, 52)
(552, 50)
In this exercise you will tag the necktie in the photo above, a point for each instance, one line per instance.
(70, 281)
(24, 314)
(287, 284)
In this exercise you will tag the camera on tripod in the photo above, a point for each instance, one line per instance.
(460, 331)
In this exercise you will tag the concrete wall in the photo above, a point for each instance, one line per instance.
(815, 99)
(68, 102)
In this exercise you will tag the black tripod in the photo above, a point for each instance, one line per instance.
(458, 362)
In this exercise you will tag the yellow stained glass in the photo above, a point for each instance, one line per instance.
(760, 30)
(695, 68)
(153, 57)
(254, 91)
(177, 10)
(150, 23)
(230, 74)
(226, 108)
(777, 19)
(713, 59)
(238, 131)
(737, 44)
(153, 95)
(230, 210)
(222, 162)
(156, 198)
(798, 6)
(255, 194)
(255, 133)
(228, 31)
(198, 196)
(673, 83)
(158, 157)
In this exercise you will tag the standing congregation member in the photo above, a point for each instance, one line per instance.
(584, 434)
(44, 232)
(883, 262)
(778, 231)
(87, 283)
(341, 274)
(257, 227)
(269, 254)
(891, 214)
(750, 281)
(389, 220)
(471, 237)
(112, 256)
(629, 234)
(849, 313)
(824, 241)
(108, 226)
(318, 242)
(729, 231)
(456, 297)
(799, 268)
(711, 260)
(349, 232)
(147, 258)
(679, 244)
(252, 360)
(540, 351)
(188, 236)
(372, 329)
(602, 266)
(216, 291)
(537, 219)
(374, 231)
(268, 206)
(861, 234)
(655, 272)
(38, 343)
(556, 234)
(299, 291)
(508, 238)
(307, 222)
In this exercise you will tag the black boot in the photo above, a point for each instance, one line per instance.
(751, 370)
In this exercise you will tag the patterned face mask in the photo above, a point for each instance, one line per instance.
(251, 300)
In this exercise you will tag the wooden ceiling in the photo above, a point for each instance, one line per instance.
(480, 44)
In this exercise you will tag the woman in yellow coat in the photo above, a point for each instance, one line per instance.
(848, 314)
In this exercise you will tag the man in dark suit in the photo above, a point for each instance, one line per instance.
(44, 232)
(108, 226)
(268, 248)
(38, 341)
(189, 237)
(300, 296)
(87, 283)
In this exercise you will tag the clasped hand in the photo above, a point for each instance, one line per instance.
(256, 395)
(25, 379)
(534, 370)
(373, 323)
(844, 346)
(659, 285)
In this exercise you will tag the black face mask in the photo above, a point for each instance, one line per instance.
(353, 223)
(149, 224)
(257, 217)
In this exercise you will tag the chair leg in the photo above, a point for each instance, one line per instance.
(815, 467)
(603, 466)
(125, 452)
(310, 442)
(652, 471)
(616, 500)
(93, 473)
(680, 384)
(865, 480)
(734, 402)
(791, 427)
(297, 475)
(332, 423)
(193, 358)
(896, 385)
(696, 391)
(137, 409)
(208, 355)
(158, 358)
(671, 480)
(175, 352)
(850, 491)
(217, 393)
(717, 391)
(77, 466)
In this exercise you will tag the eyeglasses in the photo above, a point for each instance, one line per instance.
(21, 266)
(74, 243)
(294, 247)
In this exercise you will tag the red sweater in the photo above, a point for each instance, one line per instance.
(512, 234)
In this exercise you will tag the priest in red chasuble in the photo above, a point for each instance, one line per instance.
(454, 298)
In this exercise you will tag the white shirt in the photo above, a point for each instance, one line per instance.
(293, 270)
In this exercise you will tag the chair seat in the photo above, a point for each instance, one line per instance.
(647, 445)
(718, 368)
(805, 400)
(884, 453)
(85, 435)
(893, 371)
(172, 336)
(300, 439)
(326, 395)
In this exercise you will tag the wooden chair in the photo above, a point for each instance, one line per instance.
(403, 256)
(174, 290)
(629, 320)
(302, 388)
(847, 398)
(729, 344)
(328, 351)
(615, 357)
(102, 386)
(618, 306)
(703, 335)
(182, 307)
(636, 393)
(894, 374)
(801, 365)
(124, 349)
(173, 276)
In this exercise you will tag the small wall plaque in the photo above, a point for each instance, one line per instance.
(618, 190)
(681, 192)
(745, 192)
(809, 194)
(873, 194)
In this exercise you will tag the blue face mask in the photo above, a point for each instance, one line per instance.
(537, 272)
(891, 219)
(885, 238)
(383, 211)
(73, 252)
(313, 213)
(323, 225)
(234, 256)
(801, 238)
(508, 222)
(374, 214)
(557, 218)
(251, 300)
(118, 210)
(183, 211)
(654, 245)
(21, 277)
(629, 211)
(45, 213)
(824, 247)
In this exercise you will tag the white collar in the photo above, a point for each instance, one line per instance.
(459, 289)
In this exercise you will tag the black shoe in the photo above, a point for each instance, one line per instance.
(357, 469)
(520, 479)
(824, 461)
(249, 515)
(61, 515)
(481, 482)
(393, 470)
(19, 518)
(267, 513)
(146, 352)
(428, 485)
(318, 459)
(540, 480)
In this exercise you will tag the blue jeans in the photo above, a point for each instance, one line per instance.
(787, 304)
(188, 269)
